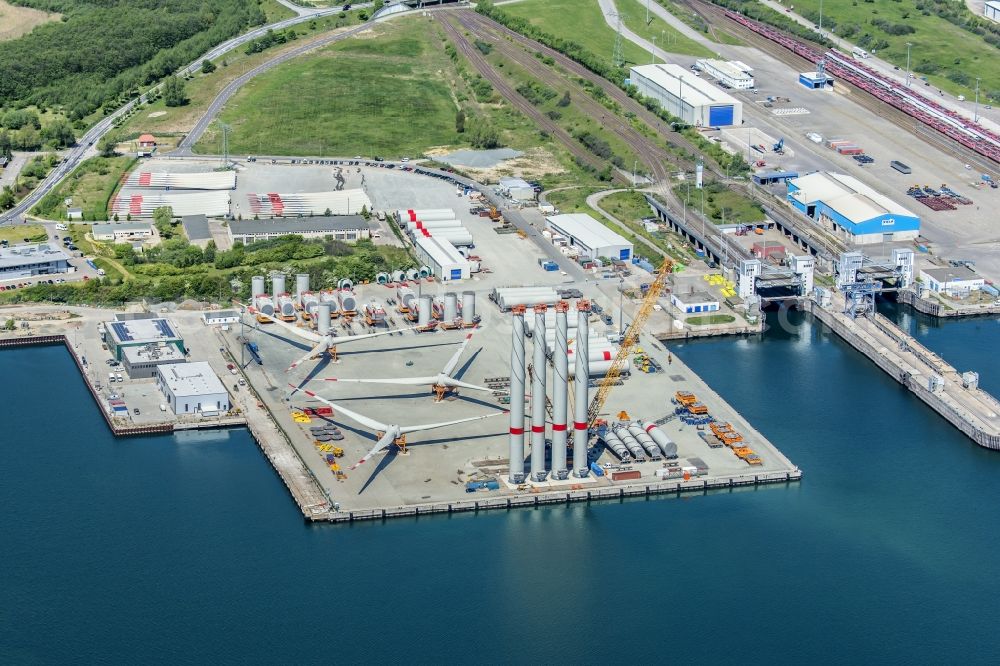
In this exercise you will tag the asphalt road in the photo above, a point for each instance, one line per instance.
(85, 144)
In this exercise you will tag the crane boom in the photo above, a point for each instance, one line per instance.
(631, 338)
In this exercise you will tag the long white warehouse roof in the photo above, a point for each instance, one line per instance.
(847, 195)
(694, 90)
(591, 233)
(441, 250)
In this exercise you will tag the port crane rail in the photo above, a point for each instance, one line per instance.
(631, 338)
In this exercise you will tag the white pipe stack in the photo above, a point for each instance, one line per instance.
(516, 463)
(560, 389)
(277, 284)
(581, 399)
(301, 286)
(468, 307)
(450, 306)
(323, 318)
(538, 471)
(424, 316)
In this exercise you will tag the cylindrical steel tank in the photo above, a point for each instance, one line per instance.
(426, 214)
(450, 306)
(406, 297)
(331, 298)
(383, 278)
(348, 302)
(528, 300)
(647, 443)
(412, 274)
(425, 271)
(600, 368)
(538, 471)
(424, 315)
(345, 283)
(456, 237)
(667, 445)
(550, 324)
(433, 224)
(581, 401)
(633, 445)
(264, 305)
(309, 303)
(560, 390)
(277, 284)
(468, 307)
(301, 286)
(323, 318)
(286, 306)
(257, 286)
(399, 276)
(613, 442)
(517, 365)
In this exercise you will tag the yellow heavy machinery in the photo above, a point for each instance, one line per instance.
(630, 340)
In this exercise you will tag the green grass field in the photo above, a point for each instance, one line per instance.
(390, 96)
(707, 320)
(665, 35)
(629, 207)
(722, 205)
(89, 186)
(956, 55)
(17, 233)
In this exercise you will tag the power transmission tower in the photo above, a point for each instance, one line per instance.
(617, 57)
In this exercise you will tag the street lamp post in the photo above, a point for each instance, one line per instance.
(908, 46)
(821, 16)
(652, 52)
(976, 115)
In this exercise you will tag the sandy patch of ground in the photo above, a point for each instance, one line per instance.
(157, 114)
(17, 21)
(534, 163)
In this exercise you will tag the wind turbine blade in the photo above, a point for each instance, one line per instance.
(295, 330)
(351, 338)
(453, 361)
(387, 439)
(475, 387)
(432, 426)
(315, 351)
(360, 418)
(408, 381)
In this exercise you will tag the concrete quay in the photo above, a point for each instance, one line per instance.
(970, 409)
(928, 307)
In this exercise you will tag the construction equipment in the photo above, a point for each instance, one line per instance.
(685, 398)
(780, 146)
(494, 214)
(630, 341)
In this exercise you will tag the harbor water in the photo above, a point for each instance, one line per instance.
(188, 549)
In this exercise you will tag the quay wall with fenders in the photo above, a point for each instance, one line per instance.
(902, 375)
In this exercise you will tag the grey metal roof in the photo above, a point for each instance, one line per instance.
(30, 255)
(953, 273)
(298, 225)
(196, 227)
(126, 227)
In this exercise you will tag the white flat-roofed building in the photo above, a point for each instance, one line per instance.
(517, 189)
(589, 236)
(216, 317)
(689, 97)
(22, 261)
(141, 362)
(340, 227)
(729, 73)
(443, 258)
(121, 231)
(192, 388)
(126, 332)
(698, 301)
(953, 280)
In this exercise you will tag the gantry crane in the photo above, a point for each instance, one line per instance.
(631, 338)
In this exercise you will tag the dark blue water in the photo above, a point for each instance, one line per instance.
(191, 551)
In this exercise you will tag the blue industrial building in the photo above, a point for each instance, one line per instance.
(850, 209)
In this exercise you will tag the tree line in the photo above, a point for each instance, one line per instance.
(104, 51)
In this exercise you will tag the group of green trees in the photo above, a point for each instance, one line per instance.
(105, 50)
(271, 38)
(22, 129)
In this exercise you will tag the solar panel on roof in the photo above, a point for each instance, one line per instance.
(164, 328)
(121, 331)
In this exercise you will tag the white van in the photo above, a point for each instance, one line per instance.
(859, 52)
(119, 377)
(62, 227)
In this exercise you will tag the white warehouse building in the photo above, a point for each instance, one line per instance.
(690, 98)
(991, 10)
(592, 238)
(730, 73)
(192, 388)
(443, 258)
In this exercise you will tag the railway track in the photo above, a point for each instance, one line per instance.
(652, 155)
(500, 84)
(713, 14)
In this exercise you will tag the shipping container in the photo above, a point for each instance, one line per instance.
(626, 476)
(900, 167)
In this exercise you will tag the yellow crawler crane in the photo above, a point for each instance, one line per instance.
(630, 341)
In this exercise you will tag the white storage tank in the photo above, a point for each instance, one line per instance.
(348, 302)
(468, 307)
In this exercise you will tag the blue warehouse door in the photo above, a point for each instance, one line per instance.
(623, 254)
(456, 274)
(720, 115)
